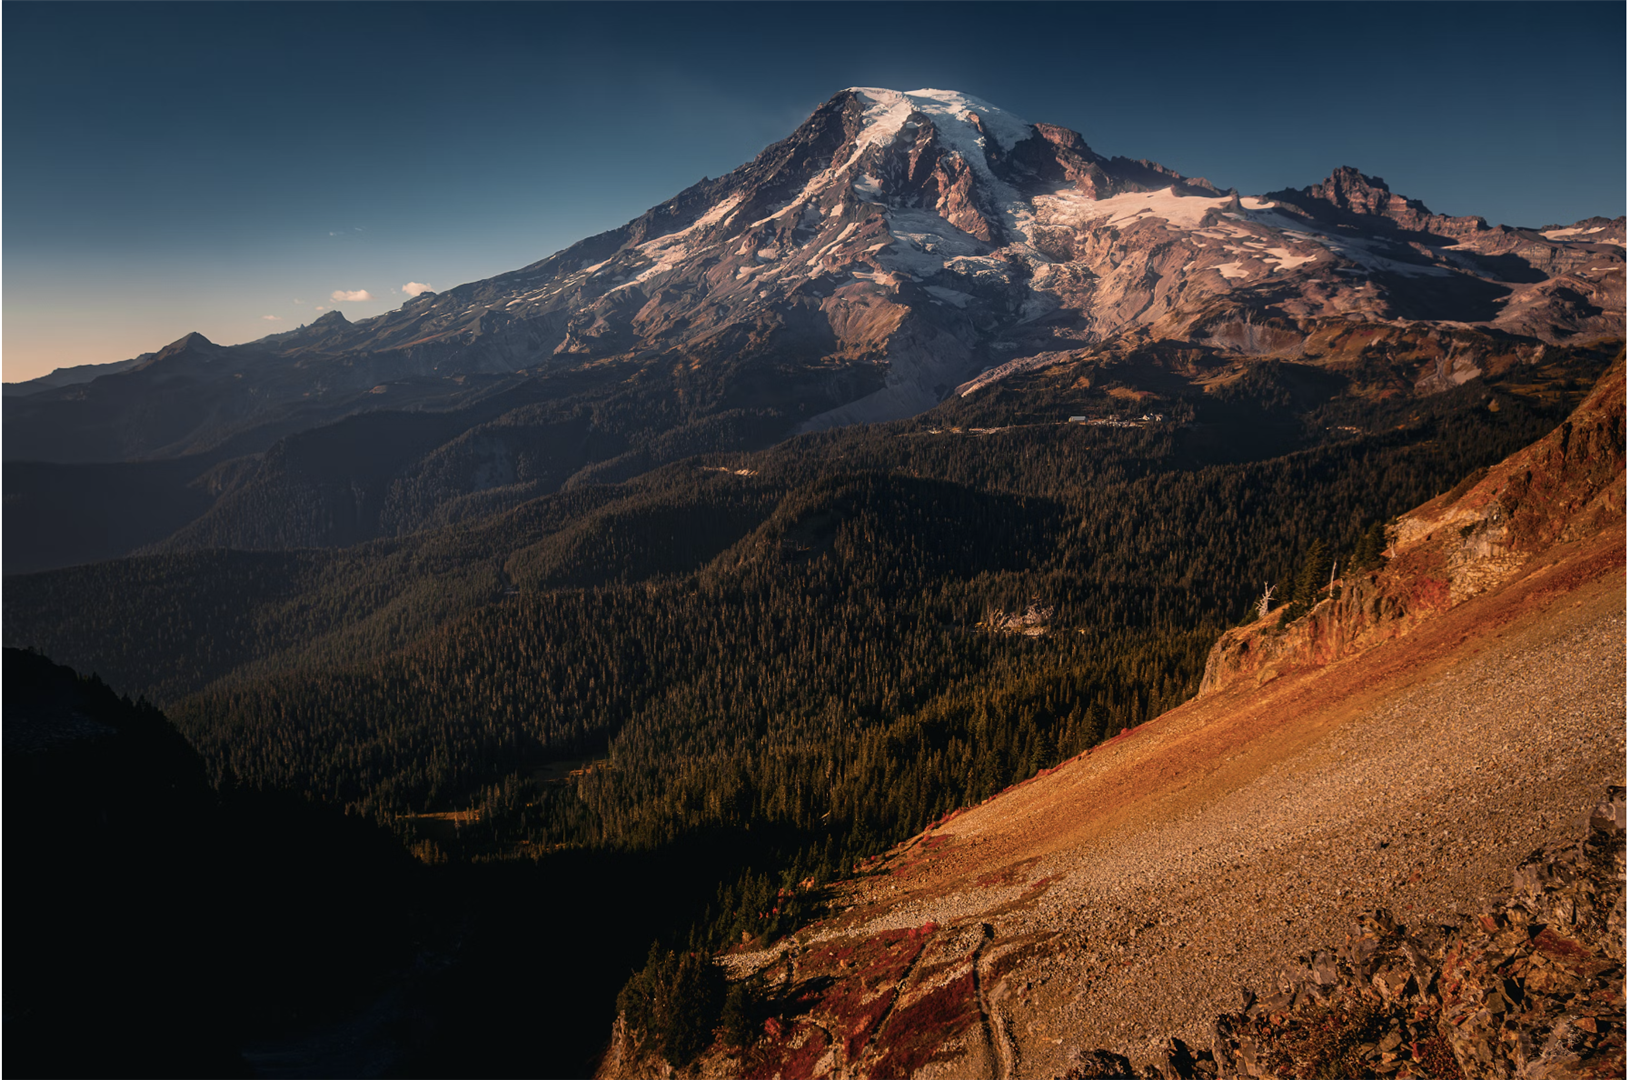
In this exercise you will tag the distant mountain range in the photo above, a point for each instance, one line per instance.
(894, 249)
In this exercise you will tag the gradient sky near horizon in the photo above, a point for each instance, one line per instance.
(233, 168)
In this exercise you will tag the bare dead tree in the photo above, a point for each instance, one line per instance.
(1266, 599)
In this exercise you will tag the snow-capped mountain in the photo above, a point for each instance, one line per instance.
(937, 235)
(898, 245)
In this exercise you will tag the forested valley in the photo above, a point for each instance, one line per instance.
(676, 706)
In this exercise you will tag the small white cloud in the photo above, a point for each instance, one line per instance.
(319, 307)
(297, 300)
(340, 296)
(414, 288)
(272, 318)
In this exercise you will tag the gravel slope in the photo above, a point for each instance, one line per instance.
(1130, 893)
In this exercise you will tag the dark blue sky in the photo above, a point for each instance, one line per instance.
(205, 166)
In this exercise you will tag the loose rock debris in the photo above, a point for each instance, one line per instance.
(1530, 988)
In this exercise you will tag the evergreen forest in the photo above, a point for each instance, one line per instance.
(673, 707)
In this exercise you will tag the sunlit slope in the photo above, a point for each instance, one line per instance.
(1403, 746)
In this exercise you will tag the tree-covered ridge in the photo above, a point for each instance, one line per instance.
(819, 636)
(795, 656)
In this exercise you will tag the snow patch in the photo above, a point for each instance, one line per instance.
(841, 237)
(667, 252)
(877, 277)
(923, 241)
(1287, 260)
(1068, 206)
(718, 213)
(956, 299)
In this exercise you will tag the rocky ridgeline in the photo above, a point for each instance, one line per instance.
(1530, 989)
(1566, 487)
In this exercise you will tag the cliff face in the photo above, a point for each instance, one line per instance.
(1565, 488)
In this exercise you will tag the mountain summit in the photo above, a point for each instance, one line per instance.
(896, 248)
(897, 244)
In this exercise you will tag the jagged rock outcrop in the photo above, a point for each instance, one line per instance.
(1563, 488)
(1355, 196)
(1532, 988)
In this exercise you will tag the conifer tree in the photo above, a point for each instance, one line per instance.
(1310, 579)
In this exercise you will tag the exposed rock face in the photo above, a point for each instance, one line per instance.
(1353, 193)
(1533, 987)
(1563, 488)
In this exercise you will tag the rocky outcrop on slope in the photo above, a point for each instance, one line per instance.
(1567, 486)
(1532, 987)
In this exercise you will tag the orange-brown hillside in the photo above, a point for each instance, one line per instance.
(1566, 487)
(1403, 746)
